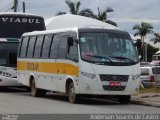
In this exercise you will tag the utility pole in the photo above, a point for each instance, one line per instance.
(24, 7)
(15, 5)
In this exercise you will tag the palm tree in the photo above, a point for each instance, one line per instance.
(102, 16)
(142, 30)
(74, 9)
(156, 38)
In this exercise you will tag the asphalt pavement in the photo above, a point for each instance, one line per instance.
(17, 104)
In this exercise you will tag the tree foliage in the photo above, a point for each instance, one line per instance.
(156, 38)
(74, 8)
(142, 30)
(102, 16)
(150, 51)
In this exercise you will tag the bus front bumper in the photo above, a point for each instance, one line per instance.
(7, 81)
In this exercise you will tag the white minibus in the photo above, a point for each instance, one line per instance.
(79, 62)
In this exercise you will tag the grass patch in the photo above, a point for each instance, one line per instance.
(150, 90)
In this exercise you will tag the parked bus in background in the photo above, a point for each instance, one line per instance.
(12, 26)
(91, 58)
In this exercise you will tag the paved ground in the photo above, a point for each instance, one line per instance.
(21, 102)
(149, 99)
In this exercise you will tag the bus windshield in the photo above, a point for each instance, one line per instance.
(8, 54)
(107, 48)
(13, 26)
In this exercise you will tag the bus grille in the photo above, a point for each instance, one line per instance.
(118, 78)
(114, 88)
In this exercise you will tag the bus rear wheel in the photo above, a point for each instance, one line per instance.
(73, 98)
(35, 91)
(124, 99)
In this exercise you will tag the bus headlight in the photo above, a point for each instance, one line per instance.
(135, 77)
(8, 75)
(89, 75)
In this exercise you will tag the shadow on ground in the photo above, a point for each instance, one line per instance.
(12, 89)
(60, 97)
(84, 101)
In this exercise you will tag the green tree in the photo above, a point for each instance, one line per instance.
(102, 16)
(74, 8)
(156, 38)
(150, 51)
(142, 30)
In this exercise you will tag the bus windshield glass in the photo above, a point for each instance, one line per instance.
(107, 48)
(13, 26)
(8, 54)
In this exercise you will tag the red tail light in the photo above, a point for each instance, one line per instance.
(152, 78)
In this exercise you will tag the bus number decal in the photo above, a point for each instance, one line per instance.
(32, 66)
(20, 20)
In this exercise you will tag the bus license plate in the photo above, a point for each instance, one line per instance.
(114, 83)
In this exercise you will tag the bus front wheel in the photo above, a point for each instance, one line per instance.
(35, 91)
(73, 98)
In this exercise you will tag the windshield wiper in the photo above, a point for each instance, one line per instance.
(118, 57)
(96, 56)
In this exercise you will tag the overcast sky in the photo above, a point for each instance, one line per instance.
(126, 12)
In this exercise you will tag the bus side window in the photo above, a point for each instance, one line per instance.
(54, 46)
(24, 47)
(46, 46)
(38, 46)
(19, 47)
(72, 52)
(62, 50)
(31, 46)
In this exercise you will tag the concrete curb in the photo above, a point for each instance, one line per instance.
(145, 103)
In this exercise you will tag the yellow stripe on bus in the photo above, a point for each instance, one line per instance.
(48, 67)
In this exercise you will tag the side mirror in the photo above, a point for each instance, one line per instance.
(70, 41)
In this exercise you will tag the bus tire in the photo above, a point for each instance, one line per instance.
(73, 98)
(35, 91)
(124, 99)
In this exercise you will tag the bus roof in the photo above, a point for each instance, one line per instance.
(70, 21)
(68, 29)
